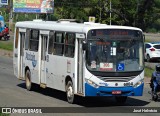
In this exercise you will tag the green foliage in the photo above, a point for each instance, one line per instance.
(4, 114)
(6, 45)
(148, 71)
(138, 13)
(151, 30)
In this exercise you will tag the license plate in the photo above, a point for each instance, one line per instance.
(116, 92)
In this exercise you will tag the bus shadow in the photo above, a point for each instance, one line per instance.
(110, 101)
(47, 91)
(86, 101)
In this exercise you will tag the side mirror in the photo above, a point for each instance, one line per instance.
(84, 45)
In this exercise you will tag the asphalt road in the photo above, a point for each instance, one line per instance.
(14, 94)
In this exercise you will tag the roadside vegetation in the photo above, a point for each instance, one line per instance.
(4, 114)
(143, 14)
(148, 72)
(6, 45)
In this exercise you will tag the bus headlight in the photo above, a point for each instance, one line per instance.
(93, 84)
(138, 83)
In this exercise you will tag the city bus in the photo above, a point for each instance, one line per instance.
(82, 59)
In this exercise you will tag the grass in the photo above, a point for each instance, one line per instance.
(4, 114)
(6, 45)
(148, 72)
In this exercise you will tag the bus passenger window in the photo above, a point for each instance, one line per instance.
(27, 39)
(50, 46)
(69, 45)
(58, 44)
(34, 40)
(17, 36)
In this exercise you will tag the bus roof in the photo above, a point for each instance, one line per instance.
(69, 26)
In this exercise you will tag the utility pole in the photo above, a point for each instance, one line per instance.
(100, 11)
(10, 14)
(110, 12)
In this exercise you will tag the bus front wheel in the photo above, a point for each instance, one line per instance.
(28, 80)
(70, 92)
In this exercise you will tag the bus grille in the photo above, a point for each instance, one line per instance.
(117, 79)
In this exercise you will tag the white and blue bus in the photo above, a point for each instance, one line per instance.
(85, 59)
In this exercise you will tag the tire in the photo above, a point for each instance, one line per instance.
(148, 58)
(121, 99)
(70, 92)
(28, 80)
(154, 97)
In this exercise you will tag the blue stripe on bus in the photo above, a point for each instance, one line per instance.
(107, 91)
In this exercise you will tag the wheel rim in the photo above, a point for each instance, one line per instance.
(70, 92)
(28, 83)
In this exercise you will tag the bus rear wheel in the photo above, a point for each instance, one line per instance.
(70, 92)
(28, 80)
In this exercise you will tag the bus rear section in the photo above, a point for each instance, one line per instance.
(114, 63)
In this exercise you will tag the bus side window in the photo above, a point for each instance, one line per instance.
(69, 45)
(27, 39)
(50, 45)
(58, 43)
(34, 40)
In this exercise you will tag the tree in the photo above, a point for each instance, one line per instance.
(71, 9)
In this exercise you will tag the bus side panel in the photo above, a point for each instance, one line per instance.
(31, 61)
(58, 67)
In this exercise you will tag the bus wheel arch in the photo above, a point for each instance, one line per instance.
(69, 90)
(28, 78)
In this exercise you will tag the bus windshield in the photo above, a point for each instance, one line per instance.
(114, 50)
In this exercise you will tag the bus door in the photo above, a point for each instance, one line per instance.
(80, 78)
(15, 56)
(21, 62)
(43, 59)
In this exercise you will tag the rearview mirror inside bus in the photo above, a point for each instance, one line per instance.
(84, 45)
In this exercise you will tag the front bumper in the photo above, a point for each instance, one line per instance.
(107, 91)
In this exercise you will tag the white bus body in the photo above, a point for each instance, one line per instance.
(86, 59)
